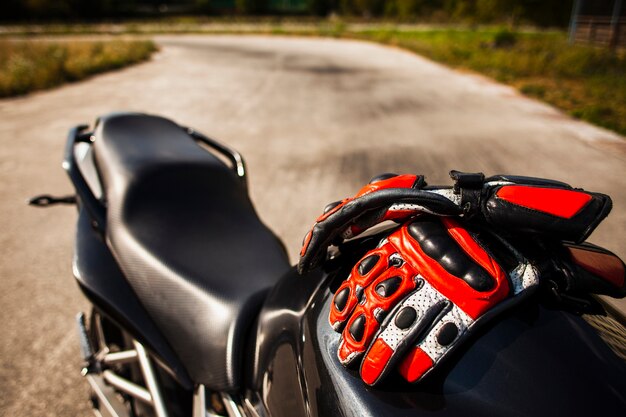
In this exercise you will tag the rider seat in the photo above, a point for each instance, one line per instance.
(183, 230)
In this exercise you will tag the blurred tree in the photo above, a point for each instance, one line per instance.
(371, 7)
(11, 9)
(347, 6)
(320, 7)
(492, 10)
(45, 8)
(539, 12)
(391, 8)
(251, 6)
(409, 8)
(460, 9)
(550, 12)
(202, 6)
(91, 8)
(365, 8)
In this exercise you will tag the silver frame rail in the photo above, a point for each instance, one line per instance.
(106, 383)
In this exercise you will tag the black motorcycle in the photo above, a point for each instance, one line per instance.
(197, 312)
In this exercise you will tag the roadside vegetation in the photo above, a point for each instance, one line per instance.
(587, 82)
(27, 66)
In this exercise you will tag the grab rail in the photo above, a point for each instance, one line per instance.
(92, 204)
(239, 165)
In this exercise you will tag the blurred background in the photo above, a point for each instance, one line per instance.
(564, 52)
(318, 95)
(546, 13)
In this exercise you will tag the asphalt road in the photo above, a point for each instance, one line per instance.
(314, 118)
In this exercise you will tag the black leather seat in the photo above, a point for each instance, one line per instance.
(184, 232)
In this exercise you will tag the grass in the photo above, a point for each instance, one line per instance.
(587, 82)
(29, 66)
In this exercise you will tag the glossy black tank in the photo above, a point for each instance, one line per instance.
(531, 361)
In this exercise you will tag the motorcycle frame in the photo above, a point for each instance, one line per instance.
(105, 382)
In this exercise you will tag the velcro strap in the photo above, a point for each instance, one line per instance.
(467, 180)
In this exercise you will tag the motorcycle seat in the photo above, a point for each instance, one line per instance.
(183, 230)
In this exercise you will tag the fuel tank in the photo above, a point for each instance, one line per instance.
(530, 361)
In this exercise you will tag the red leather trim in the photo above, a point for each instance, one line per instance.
(415, 364)
(554, 201)
(349, 345)
(472, 302)
(473, 249)
(345, 349)
(371, 327)
(406, 273)
(400, 181)
(335, 209)
(604, 265)
(372, 300)
(399, 214)
(307, 240)
(396, 215)
(375, 361)
(336, 315)
(355, 279)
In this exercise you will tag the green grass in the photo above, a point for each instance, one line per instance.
(587, 82)
(27, 66)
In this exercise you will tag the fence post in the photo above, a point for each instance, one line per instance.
(617, 11)
(574, 20)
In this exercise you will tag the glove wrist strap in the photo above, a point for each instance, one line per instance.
(469, 186)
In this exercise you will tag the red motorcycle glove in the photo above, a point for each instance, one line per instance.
(386, 197)
(509, 204)
(416, 297)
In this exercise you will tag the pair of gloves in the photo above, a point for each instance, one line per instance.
(450, 264)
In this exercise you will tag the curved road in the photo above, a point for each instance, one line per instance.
(315, 119)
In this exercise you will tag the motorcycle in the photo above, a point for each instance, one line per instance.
(197, 311)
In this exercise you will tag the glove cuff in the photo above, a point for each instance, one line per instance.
(531, 205)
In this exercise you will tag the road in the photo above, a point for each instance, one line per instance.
(315, 119)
